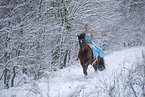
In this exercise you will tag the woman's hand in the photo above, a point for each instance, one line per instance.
(88, 42)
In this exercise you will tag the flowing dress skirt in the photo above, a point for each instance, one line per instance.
(96, 50)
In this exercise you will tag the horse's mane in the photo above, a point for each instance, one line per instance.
(81, 36)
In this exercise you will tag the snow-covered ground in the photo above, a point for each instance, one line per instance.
(70, 81)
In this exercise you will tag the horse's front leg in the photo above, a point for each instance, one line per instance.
(86, 66)
(85, 69)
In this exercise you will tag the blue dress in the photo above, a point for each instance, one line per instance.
(95, 48)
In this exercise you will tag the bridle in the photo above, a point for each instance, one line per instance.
(82, 40)
(84, 46)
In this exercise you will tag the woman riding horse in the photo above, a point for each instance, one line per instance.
(86, 38)
(96, 50)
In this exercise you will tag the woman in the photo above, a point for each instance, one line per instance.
(95, 48)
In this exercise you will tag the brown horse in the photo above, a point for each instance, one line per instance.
(86, 57)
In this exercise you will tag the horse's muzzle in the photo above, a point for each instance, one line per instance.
(82, 49)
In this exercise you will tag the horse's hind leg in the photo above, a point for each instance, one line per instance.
(97, 63)
(94, 65)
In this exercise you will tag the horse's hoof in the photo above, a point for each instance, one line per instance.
(96, 71)
(85, 73)
(86, 77)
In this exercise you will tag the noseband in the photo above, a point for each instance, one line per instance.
(84, 46)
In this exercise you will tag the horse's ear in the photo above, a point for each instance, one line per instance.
(78, 36)
(84, 34)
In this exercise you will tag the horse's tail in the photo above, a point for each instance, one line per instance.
(101, 64)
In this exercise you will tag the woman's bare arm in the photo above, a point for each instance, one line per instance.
(92, 36)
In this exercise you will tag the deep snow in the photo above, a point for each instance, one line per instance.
(70, 81)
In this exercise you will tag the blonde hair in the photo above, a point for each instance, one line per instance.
(86, 25)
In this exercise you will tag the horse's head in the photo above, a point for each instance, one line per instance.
(82, 41)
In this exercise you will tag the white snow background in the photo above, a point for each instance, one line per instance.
(70, 81)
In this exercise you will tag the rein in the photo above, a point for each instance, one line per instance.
(83, 47)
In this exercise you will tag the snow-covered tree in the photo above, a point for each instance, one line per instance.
(41, 35)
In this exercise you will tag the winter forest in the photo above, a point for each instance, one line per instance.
(39, 45)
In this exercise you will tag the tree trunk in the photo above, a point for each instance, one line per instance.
(7, 77)
(12, 82)
(2, 75)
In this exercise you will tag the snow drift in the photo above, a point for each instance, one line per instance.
(123, 76)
